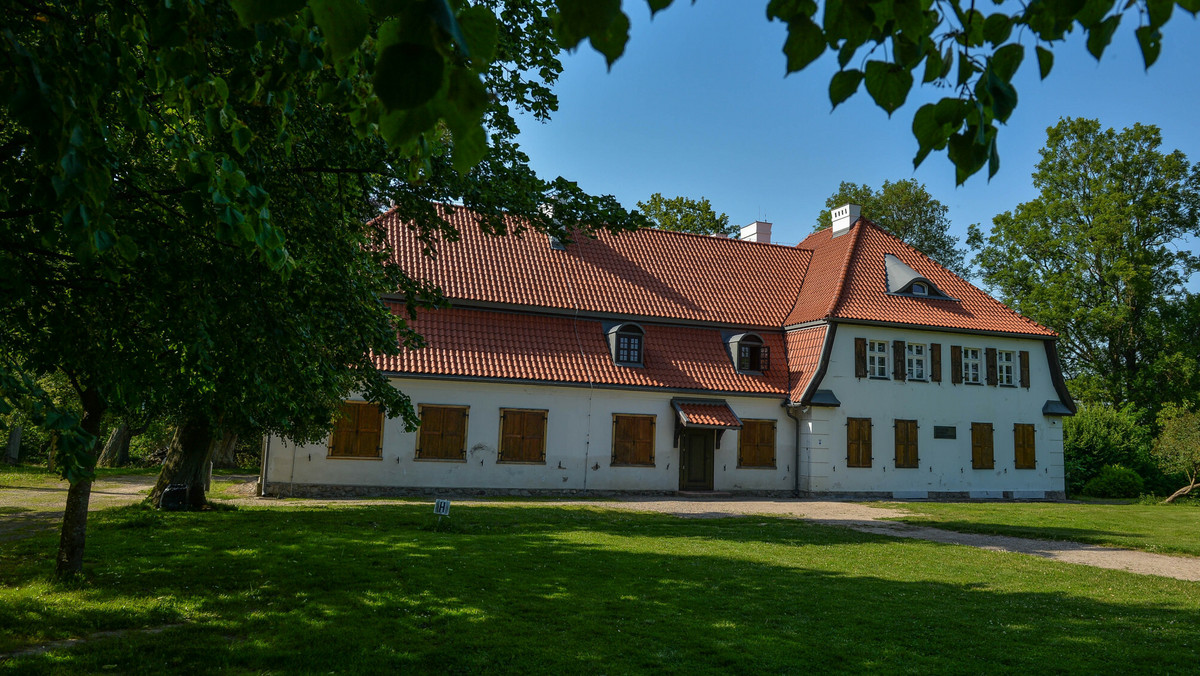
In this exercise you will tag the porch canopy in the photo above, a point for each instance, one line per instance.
(704, 414)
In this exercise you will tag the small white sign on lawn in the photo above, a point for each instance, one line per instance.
(441, 507)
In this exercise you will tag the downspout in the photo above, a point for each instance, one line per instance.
(789, 409)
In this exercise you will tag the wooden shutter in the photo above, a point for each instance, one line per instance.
(756, 443)
(341, 441)
(956, 364)
(370, 428)
(1026, 457)
(991, 367)
(633, 439)
(906, 443)
(981, 446)
(522, 436)
(443, 432)
(1023, 358)
(358, 431)
(858, 442)
(935, 362)
(899, 361)
(860, 357)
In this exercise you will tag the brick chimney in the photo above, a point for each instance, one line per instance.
(758, 231)
(844, 217)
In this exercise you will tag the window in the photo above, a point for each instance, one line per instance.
(858, 442)
(919, 289)
(1005, 368)
(357, 432)
(752, 354)
(877, 366)
(981, 446)
(1026, 458)
(443, 433)
(972, 365)
(522, 435)
(906, 443)
(756, 443)
(633, 440)
(915, 355)
(629, 345)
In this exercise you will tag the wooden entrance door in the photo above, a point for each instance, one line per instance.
(696, 460)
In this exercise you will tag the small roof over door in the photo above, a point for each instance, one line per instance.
(706, 414)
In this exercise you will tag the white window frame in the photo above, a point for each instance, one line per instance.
(1006, 361)
(916, 361)
(923, 289)
(972, 365)
(877, 359)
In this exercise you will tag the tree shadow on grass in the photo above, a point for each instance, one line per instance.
(554, 590)
(1064, 534)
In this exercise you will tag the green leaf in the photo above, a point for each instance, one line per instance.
(972, 28)
(407, 75)
(1004, 97)
(657, 6)
(1090, 12)
(480, 31)
(1100, 35)
(997, 28)
(1006, 60)
(1192, 6)
(967, 154)
(993, 159)
(1045, 61)
(805, 42)
(241, 137)
(344, 24)
(933, 66)
(1150, 40)
(843, 84)
(601, 21)
(260, 11)
(443, 16)
(888, 84)
(470, 146)
(1159, 11)
(965, 69)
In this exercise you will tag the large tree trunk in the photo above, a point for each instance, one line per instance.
(187, 462)
(74, 529)
(226, 455)
(14, 445)
(1182, 491)
(116, 451)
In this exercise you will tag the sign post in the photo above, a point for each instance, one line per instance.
(441, 508)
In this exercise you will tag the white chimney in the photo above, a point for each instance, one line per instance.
(844, 217)
(758, 231)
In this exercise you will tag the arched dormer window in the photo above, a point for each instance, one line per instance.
(919, 289)
(626, 343)
(902, 280)
(750, 354)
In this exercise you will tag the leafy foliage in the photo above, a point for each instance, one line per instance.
(907, 210)
(1099, 435)
(1177, 448)
(1114, 481)
(682, 214)
(1096, 256)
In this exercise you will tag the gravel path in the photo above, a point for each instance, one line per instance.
(23, 508)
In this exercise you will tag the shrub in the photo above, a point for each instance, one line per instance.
(1101, 435)
(1114, 481)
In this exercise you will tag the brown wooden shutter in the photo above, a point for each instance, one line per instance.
(511, 424)
(906, 443)
(991, 367)
(860, 357)
(633, 439)
(756, 443)
(443, 432)
(956, 364)
(370, 426)
(1023, 357)
(982, 456)
(858, 442)
(1026, 457)
(935, 362)
(341, 441)
(899, 363)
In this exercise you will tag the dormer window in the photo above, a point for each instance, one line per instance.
(750, 354)
(919, 289)
(626, 343)
(902, 280)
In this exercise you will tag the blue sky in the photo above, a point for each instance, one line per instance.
(699, 106)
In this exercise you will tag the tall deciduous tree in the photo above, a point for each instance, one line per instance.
(1097, 257)
(1177, 448)
(907, 210)
(683, 214)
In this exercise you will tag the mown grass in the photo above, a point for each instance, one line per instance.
(1166, 529)
(502, 588)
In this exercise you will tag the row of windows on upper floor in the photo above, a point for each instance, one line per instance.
(358, 434)
(748, 352)
(922, 362)
(859, 444)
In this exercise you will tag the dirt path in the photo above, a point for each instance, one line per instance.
(28, 507)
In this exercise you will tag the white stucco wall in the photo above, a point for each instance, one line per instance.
(578, 444)
(944, 464)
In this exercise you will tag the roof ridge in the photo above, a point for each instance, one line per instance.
(708, 237)
(837, 292)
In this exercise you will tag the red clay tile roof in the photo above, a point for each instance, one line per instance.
(646, 273)
(507, 345)
(847, 273)
(718, 415)
(804, 357)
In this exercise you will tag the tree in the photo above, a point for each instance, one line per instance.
(1099, 435)
(956, 47)
(1177, 448)
(681, 214)
(907, 210)
(1096, 256)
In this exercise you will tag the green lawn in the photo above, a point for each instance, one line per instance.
(1166, 529)
(506, 588)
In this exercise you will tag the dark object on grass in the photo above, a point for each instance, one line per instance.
(174, 498)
